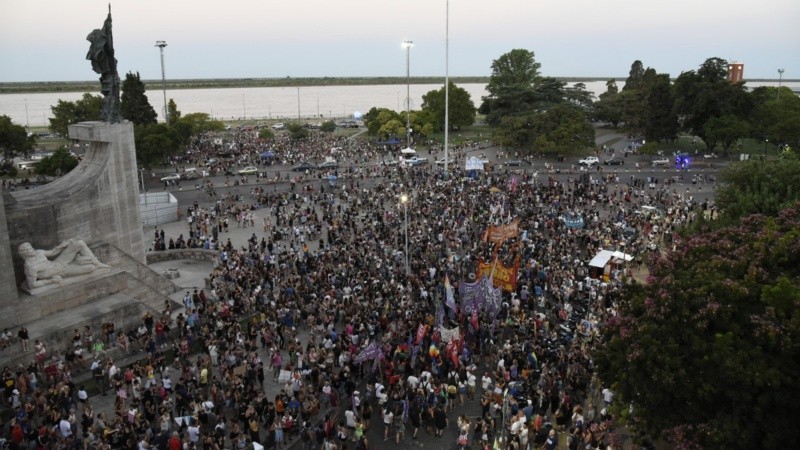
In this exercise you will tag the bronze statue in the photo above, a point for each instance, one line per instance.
(101, 53)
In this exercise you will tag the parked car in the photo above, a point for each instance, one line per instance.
(249, 170)
(661, 162)
(614, 162)
(171, 177)
(304, 166)
(328, 164)
(517, 162)
(589, 161)
(191, 174)
(278, 126)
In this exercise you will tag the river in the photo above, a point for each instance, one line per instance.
(280, 103)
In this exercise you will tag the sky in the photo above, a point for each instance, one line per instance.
(45, 40)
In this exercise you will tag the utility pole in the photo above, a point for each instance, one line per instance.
(161, 45)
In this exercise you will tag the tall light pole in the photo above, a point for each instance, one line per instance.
(446, 83)
(27, 122)
(407, 45)
(404, 202)
(161, 45)
(298, 102)
(780, 80)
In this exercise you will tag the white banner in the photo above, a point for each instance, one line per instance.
(452, 334)
(473, 163)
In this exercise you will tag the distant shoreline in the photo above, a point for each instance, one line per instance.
(24, 87)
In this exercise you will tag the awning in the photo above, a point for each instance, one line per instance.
(408, 151)
(604, 256)
(267, 154)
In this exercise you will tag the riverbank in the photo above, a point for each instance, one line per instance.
(212, 83)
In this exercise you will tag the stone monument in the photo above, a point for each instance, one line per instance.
(45, 268)
(90, 220)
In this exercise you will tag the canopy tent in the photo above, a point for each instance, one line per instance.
(604, 256)
(408, 151)
(392, 141)
(267, 154)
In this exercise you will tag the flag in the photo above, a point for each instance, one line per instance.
(450, 299)
(371, 351)
(533, 360)
(473, 320)
(421, 331)
(452, 352)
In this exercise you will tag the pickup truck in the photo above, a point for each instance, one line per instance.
(414, 161)
(589, 161)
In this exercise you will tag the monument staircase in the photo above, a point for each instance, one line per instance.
(121, 296)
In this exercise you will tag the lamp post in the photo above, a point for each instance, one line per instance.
(161, 45)
(298, 102)
(446, 83)
(407, 45)
(766, 141)
(780, 80)
(404, 202)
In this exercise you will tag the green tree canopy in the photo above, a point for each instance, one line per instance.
(608, 108)
(134, 105)
(707, 93)
(297, 131)
(758, 187)
(328, 126)
(57, 164)
(14, 141)
(707, 354)
(68, 113)
(725, 130)
(511, 85)
(155, 142)
(172, 112)
(561, 129)
(462, 109)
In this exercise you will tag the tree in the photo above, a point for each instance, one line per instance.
(511, 85)
(561, 129)
(265, 133)
(328, 126)
(707, 354)
(59, 163)
(134, 105)
(172, 112)
(297, 131)
(725, 130)
(707, 93)
(635, 77)
(775, 117)
(758, 187)
(68, 113)
(155, 142)
(14, 141)
(661, 123)
(462, 109)
(607, 108)
(375, 118)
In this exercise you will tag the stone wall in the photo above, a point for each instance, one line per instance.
(184, 253)
(8, 283)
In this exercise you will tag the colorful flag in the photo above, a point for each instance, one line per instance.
(371, 351)
(421, 331)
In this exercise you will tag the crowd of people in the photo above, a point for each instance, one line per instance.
(318, 307)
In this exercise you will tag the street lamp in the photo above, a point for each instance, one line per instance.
(766, 141)
(161, 45)
(780, 79)
(404, 202)
(407, 45)
(446, 82)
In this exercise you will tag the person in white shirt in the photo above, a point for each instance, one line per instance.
(194, 433)
(413, 382)
(486, 381)
(471, 381)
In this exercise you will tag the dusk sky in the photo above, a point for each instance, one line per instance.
(44, 40)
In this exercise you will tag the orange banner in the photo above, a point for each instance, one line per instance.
(502, 277)
(498, 234)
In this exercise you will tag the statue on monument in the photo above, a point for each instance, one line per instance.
(101, 53)
(70, 258)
